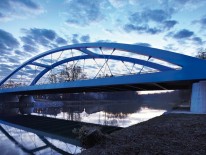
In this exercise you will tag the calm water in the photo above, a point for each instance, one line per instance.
(123, 114)
(17, 141)
(105, 117)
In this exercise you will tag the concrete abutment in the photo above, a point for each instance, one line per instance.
(198, 98)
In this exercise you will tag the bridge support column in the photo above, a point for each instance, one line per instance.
(198, 99)
(9, 98)
(9, 104)
(26, 104)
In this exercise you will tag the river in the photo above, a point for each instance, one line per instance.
(113, 113)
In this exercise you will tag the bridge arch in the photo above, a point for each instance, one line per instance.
(182, 61)
(126, 59)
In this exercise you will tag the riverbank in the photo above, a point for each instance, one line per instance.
(167, 134)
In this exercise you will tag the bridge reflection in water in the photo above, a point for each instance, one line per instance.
(18, 141)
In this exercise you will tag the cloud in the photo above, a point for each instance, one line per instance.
(76, 38)
(118, 3)
(171, 47)
(9, 62)
(8, 45)
(7, 42)
(202, 22)
(147, 15)
(1, 15)
(35, 37)
(5, 69)
(144, 44)
(185, 35)
(84, 12)
(85, 38)
(10, 9)
(105, 41)
(197, 40)
(188, 1)
(182, 34)
(19, 53)
(150, 21)
(27, 40)
(153, 30)
(141, 29)
(14, 60)
(41, 37)
(168, 24)
(27, 3)
(29, 48)
(179, 5)
(157, 15)
(61, 41)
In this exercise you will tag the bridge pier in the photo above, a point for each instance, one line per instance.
(26, 104)
(9, 104)
(198, 99)
(9, 98)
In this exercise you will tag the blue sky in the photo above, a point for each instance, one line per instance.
(29, 27)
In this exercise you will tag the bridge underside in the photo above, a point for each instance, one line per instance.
(130, 87)
(177, 85)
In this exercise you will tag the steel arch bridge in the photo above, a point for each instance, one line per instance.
(147, 69)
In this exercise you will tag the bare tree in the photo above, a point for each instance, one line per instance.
(53, 78)
(72, 73)
(201, 54)
(69, 73)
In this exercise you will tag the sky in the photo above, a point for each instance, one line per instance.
(30, 27)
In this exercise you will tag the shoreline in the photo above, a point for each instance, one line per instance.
(165, 134)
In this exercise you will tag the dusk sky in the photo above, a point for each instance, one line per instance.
(30, 27)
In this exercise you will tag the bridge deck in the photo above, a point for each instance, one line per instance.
(51, 127)
(63, 88)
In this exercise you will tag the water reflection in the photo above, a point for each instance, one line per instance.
(122, 113)
(18, 141)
